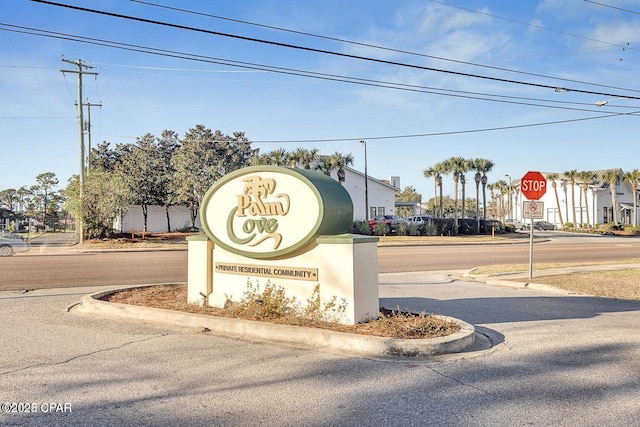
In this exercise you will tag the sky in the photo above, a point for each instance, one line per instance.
(419, 80)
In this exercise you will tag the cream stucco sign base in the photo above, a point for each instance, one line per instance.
(285, 226)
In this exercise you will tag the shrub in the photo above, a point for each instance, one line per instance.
(361, 227)
(631, 229)
(405, 229)
(382, 229)
(428, 228)
(272, 304)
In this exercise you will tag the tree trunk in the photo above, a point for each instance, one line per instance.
(612, 189)
(555, 190)
(586, 203)
(145, 211)
(166, 209)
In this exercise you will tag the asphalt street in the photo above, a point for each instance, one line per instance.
(564, 360)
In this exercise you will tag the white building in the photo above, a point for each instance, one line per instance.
(381, 197)
(594, 207)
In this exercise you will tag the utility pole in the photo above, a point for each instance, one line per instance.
(88, 126)
(80, 71)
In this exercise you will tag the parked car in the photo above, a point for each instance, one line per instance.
(11, 243)
(516, 223)
(543, 225)
(391, 220)
(419, 219)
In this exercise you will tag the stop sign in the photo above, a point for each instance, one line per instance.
(533, 185)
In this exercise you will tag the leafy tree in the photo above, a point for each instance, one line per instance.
(44, 195)
(633, 178)
(9, 198)
(105, 195)
(204, 157)
(105, 159)
(167, 144)
(408, 194)
(23, 195)
(141, 170)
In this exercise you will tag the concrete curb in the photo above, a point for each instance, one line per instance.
(293, 336)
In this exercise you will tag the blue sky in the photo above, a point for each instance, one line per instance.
(512, 52)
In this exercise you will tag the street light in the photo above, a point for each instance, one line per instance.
(509, 194)
(366, 183)
(477, 178)
(605, 102)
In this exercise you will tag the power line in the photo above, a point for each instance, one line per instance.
(389, 49)
(613, 7)
(419, 135)
(316, 75)
(539, 26)
(323, 51)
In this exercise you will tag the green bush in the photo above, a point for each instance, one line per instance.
(382, 229)
(428, 228)
(361, 227)
(272, 304)
(406, 229)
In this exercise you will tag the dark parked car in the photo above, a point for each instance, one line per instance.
(11, 243)
(543, 225)
(391, 220)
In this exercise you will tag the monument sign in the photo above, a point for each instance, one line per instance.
(287, 226)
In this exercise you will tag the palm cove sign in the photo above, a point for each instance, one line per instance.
(267, 212)
(287, 225)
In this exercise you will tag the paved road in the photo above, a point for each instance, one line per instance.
(33, 271)
(558, 360)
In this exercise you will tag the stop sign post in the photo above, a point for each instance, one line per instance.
(533, 186)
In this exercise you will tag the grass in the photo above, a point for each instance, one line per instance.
(621, 283)
(389, 324)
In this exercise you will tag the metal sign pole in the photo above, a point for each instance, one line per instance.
(531, 249)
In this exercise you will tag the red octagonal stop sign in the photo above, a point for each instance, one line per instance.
(533, 185)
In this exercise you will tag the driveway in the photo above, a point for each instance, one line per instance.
(557, 360)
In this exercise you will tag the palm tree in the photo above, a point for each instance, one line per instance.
(572, 175)
(503, 188)
(294, 157)
(324, 165)
(586, 177)
(457, 166)
(483, 166)
(439, 169)
(492, 187)
(260, 159)
(612, 176)
(339, 162)
(307, 157)
(553, 178)
(431, 173)
(279, 157)
(633, 178)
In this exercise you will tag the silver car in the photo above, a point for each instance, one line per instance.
(10, 243)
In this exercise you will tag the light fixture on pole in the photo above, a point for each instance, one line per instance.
(366, 183)
(509, 195)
